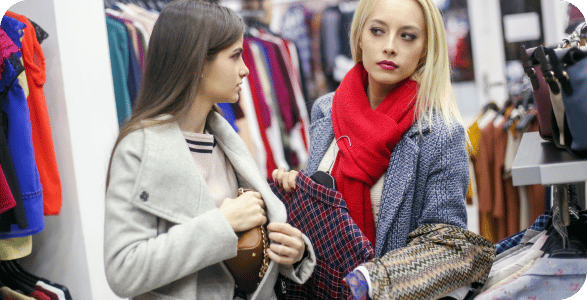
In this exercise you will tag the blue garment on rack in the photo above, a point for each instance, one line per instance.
(295, 27)
(14, 29)
(20, 144)
(514, 240)
(228, 114)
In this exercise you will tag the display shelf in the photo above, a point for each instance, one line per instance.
(541, 162)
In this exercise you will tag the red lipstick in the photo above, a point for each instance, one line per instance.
(387, 65)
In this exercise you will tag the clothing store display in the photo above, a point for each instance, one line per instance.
(34, 63)
(339, 244)
(359, 166)
(437, 259)
(501, 205)
(416, 188)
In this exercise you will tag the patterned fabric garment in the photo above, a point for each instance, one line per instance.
(439, 258)
(546, 278)
(340, 246)
(514, 240)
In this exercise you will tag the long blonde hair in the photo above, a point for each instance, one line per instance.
(186, 34)
(433, 71)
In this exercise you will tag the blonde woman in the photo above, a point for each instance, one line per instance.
(171, 208)
(392, 137)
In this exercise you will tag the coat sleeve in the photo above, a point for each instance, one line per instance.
(302, 270)
(438, 259)
(137, 257)
(448, 176)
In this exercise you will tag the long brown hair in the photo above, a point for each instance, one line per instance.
(186, 34)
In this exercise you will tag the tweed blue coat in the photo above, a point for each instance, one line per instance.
(425, 183)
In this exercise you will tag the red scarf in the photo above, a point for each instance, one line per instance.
(373, 135)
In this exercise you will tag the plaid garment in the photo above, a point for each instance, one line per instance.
(514, 240)
(439, 258)
(340, 246)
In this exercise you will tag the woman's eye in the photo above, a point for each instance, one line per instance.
(409, 36)
(376, 31)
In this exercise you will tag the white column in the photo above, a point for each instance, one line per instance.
(488, 50)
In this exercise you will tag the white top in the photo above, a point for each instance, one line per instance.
(213, 165)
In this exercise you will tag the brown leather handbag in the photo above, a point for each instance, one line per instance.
(251, 262)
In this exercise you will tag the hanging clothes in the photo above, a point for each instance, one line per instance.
(495, 140)
(34, 63)
(20, 144)
(119, 60)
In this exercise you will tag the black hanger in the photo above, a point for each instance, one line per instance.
(19, 275)
(17, 266)
(324, 178)
(12, 282)
(30, 278)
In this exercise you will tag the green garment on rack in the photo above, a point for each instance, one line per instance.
(119, 60)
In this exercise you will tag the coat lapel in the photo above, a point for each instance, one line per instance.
(169, 175)
(165, 191)
(244, 164)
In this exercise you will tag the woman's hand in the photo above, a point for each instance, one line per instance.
(245, 212)
(287, 247)
(285, 179)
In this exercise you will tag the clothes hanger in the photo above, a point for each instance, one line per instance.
(16, 265)
(324, 178)
(12, 282)
(18, 275)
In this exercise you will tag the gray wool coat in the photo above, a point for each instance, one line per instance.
(164, 236)
(426, 181)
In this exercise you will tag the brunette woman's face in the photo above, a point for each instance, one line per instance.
(393, 41)
(222, 77)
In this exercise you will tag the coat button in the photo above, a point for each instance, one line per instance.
(144, 196)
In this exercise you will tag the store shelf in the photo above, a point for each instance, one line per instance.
(541, 162)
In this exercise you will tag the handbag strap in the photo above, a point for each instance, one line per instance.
(529, 67)
(546, 69)
(559, 72)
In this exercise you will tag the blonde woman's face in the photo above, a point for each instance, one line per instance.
(223, 76)
(393, 41)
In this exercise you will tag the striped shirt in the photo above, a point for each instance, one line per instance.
(213, 164)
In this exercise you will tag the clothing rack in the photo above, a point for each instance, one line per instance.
(540, 162)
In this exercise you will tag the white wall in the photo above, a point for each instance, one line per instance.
(80, 101)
